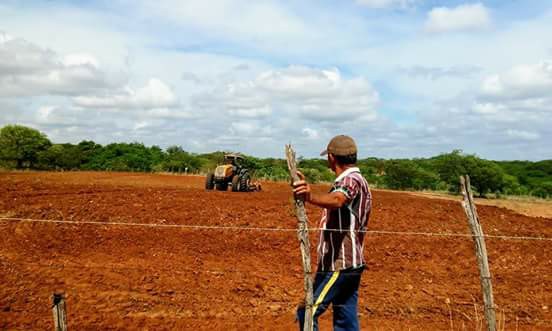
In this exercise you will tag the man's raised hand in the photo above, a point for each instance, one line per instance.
(301, 189)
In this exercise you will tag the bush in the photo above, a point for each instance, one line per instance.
(405, 174)
(544, 190)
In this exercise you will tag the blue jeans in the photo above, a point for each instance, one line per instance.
(339, 288)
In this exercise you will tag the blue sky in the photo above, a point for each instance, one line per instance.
(405, 78)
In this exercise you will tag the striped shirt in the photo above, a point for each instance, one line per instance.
(341, 244)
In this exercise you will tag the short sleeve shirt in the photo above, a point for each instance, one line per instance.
(341, 244)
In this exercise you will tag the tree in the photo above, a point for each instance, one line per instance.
(512, 186)
(22, 145)
(61, 156)
(88, 150)
(450, 167)
(51, 157)
(178, 159)
(485, 176)
(399, 174)
(406, 174)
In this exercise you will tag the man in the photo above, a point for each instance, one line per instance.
(340, 249)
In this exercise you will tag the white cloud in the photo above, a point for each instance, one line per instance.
(262, 23)
(311, 133)
(155, 94)
(320, 94)
(525, 135)
(485, 51)
(4, 37)
(244, 128)
(170, 113)
(141, 125)
(488, 108)
(68, 29)
(45, 111)
(435, 73)
(463, 17)
(18, 57)
(80, 59)
(188, 76)
(315, 94)
(509, 113)
(300, 81)
(55, 114)
(521, 81)
(520, 94)
(387, 3)
(262, 111)
(29, 70)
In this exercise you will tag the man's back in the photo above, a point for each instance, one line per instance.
(342, 238)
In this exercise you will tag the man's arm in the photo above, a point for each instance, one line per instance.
(331, 200)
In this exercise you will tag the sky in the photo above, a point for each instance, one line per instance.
(404, 78)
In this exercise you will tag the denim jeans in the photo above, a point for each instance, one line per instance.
(339, 288)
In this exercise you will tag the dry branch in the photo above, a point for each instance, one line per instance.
(480, 252)
(58, 310)
(303, 235)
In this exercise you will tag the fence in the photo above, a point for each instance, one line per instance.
(275, 229)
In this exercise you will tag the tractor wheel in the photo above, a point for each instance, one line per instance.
(235, 183)
(210, 181)
(244, 182)
(222, 186)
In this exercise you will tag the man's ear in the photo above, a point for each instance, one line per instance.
(331, 161)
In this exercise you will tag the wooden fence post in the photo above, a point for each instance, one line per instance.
(303, 235)
(480, 252)
(60, 315)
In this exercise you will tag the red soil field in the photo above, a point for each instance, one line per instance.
(121, 277)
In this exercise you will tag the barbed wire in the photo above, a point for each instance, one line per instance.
(272, 229)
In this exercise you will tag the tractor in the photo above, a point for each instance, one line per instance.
(230, 173)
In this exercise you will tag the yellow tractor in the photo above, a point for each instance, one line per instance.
(231, 173)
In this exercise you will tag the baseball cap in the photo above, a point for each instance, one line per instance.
(341, 145)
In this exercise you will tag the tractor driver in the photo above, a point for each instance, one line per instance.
(231, 161)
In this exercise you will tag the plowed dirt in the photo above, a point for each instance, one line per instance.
(120, 277)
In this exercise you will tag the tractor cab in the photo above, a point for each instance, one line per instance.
(231, 172)
(230, 167)
(233, 159)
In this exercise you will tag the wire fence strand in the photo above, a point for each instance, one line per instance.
(272, 229)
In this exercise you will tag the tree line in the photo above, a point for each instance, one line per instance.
(26, 148)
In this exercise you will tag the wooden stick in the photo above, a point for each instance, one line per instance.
(480, 252)
(60, 315)
(303, 235)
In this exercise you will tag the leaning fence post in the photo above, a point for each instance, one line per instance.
(58, 309)
(480, 252)
(303, 235)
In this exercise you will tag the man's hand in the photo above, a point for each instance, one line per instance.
(301, 189)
